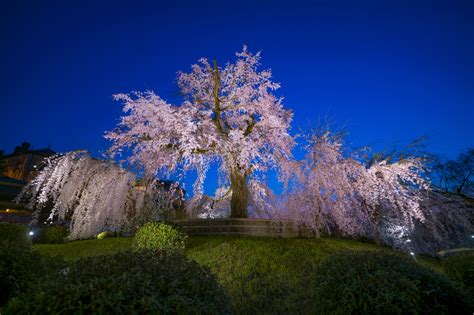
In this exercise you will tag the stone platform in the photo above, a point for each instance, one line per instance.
(241, 227)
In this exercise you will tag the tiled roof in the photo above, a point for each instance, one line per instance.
(42, 152)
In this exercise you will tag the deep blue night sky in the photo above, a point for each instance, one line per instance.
(389, 71)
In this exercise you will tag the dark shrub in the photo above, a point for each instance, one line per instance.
(126, 283)
(52, 235)
(19, 267)
(377, 283)
(14, 233)
(159, 236)
(460, 268)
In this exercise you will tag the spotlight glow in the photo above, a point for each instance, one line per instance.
(412, 253)
(31, 233)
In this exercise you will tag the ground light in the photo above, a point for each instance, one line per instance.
(31, 233)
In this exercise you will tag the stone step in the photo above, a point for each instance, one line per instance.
(274, 229)
(210, 222)
(246, 234)
(243, 227)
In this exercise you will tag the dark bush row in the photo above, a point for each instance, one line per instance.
(348, 282)
(378, 283)
(460, 268)
(20, 234)
(19, 268)
(153, 281)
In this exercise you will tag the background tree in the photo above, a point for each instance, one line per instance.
(455, 176)
(229, 116)
(465, 172)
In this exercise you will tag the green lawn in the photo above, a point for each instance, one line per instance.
(78, 249)
(210, 250)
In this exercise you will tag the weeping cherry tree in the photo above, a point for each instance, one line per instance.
(334, 192)
(92, 195)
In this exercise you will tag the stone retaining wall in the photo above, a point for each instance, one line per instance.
(19, 218)
(242, 227)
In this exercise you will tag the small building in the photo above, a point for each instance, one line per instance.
(18, 168)
(9, 189)
(21, 163)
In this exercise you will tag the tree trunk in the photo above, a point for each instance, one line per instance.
(317, 222)
(459, 189)
(377, 236)
(375, 225)
(240, 195)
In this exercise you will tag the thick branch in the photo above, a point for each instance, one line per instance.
(250, 125)
(464, 181)
(177, 147)
(217, 102)
(194, 151)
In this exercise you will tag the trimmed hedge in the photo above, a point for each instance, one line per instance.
(126, 283)
(159, 236)
(14, 233)
(376, 283)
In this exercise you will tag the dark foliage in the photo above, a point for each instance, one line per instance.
(460, 268)
(17, 233)
(19, 267)
(52, 235)
(126, 283)
(377, 283)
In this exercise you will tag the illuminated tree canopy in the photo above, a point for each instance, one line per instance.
(229, 115)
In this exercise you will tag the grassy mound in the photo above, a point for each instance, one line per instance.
(260, 275)
(269, 275)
